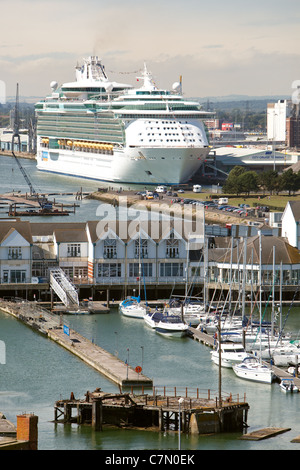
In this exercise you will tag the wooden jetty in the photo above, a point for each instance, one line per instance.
(85, 308)
(185, 411)
(201, 337)
(51, 326)
(31, 206)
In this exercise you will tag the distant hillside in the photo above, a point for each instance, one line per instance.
(252, 104)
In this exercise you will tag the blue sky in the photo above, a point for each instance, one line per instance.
(219, 47)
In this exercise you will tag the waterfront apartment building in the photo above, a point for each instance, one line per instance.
(90, 255)
(15, 251)
(113, 258)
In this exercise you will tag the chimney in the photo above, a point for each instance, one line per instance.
(27, 430)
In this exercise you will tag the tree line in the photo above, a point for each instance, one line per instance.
(242, 181)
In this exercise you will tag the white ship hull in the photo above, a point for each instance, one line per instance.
(139, 166)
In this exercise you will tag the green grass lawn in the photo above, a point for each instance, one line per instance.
(276, 202)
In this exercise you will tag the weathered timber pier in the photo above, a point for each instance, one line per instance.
(188, 411)
(50, 325)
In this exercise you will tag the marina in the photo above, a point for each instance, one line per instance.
(132, 341)
(217, 413)
(150, 230)
(115, 342)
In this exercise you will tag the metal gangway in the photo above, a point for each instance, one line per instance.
(64, 288)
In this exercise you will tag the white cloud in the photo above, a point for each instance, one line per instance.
(218, 47)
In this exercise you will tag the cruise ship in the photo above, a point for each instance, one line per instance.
(103, 130)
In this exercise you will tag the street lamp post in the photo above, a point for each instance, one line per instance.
(142, 348)
(180, 401)
(127, 361)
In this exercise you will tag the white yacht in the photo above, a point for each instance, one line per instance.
(99, 129)
(132, 307)
(171, 325)
(231, 354)
(153, 318)
(252, 369)
(193, 312)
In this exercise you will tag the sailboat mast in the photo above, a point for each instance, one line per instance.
(273, 295)
(260, 289)
(140, 271)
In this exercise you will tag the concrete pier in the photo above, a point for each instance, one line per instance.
(50, 325)
(104, 362)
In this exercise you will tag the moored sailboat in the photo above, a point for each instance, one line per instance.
(252, 369)
(132, 307)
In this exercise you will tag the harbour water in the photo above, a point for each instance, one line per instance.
(37, 372)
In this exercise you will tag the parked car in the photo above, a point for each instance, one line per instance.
(149, 195)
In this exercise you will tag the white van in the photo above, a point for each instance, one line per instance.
(223, 200)
(197, 188)
(161, 189)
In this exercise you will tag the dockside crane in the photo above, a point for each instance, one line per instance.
(44, 203)
(32, 190)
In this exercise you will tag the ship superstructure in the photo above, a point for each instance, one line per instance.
(99, 129)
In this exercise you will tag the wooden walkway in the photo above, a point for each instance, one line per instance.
(201, 337)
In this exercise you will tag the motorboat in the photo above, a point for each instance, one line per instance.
(231, 354)
(227, 325)
(252, 369)
(293, 370)
(283, 354)
(287, 385)
(153, 318)
(171, 325)
(132, 307)
(193, 312)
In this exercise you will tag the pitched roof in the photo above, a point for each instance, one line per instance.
(295, 207)
(47, 228)
(70, 235)
(22, 227)
(284, 252)
(128, 228)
